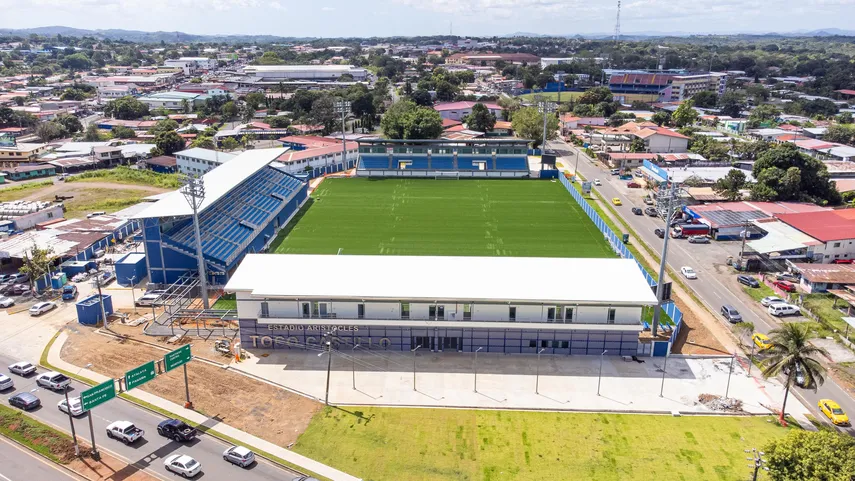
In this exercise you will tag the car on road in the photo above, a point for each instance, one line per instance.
(25, 401)
(637, 211)
(785, 286)
(40, 308)
(651, 211)
(769, 300)
(177, 430)
(749, 281)
(69, 292)
(6, 382)
(800, 375)
(699, 239)
(633, 185)
(239, 455)
(183, 465)
(660, 233)
(615, 171)
(688, 272)
(597, 182)
(833, 412)
(761, 340)
(76, 406)
(780, 309)
(55, 381)
(730, 314)
(124, 431)
(6, 301)
(22, 368)
(616, 201)
(648, 200)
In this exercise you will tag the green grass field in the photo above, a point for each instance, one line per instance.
(443, 217)
(383, 444)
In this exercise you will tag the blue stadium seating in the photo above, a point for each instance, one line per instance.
(239, 215)
(511, 164)
(374, 162)
(418, 163)
(442, 162)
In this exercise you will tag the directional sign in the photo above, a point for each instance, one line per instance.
(98, 395)
(177, 358)
(139, 375)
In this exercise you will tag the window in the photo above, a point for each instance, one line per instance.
(360, 311)
(837, 244)
(565, 344)
(440, 312)
(405, 310)
(568, 314)
(532, 344)
(544, 344)
(467, 312)
(265, 309)
(611, 316)
(550, 314)
(512, 313)
(432, 312)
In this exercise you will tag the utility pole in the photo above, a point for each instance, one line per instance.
(672, 199)
(329, 368)
(342, 106)
(414, 366)
(744, 236)
(475, 369)
(757, 462)
(537, 376)
(546, 108)
(194, 193)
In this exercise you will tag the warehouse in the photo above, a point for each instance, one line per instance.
(502, 304)
(327, 73)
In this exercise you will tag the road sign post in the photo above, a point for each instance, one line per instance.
(139, 375)
(93, 397)
(177, 358)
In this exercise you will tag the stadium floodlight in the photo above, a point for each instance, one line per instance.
(546, 108)
(342, 106)
(194, 192)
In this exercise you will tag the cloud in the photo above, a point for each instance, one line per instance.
(328, 9)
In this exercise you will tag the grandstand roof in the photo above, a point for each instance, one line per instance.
(218, 182)
(642, 79)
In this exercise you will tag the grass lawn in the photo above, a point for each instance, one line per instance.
(383, 444)
(758, 293)
(125, 175)
(227, 301)
(822, 306)
(97, 199)
(53, 444)
(15, 192)
(445, 217)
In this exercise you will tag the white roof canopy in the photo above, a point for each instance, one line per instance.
(781, 237)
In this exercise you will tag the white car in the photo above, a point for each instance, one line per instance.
(239, 455)
(780, 309)
(76, 406)
(41, 307)
(768, 301)
(688, 272)
(6, 382)
(6, 301)
(597, 182)
(56, 381)
(183, 465)
(22, 368)
(147, 299)
(124, 431)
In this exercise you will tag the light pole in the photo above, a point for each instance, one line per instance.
(194, 192)
(70, 417)
(475, 368)
(729, 374)
(353, 365)
(672, 198)
(328, 352)
(750, 359)
(600, 377)
(546, 108)
(664, 367)
(342, 106)
(133, 280)
(414, 366)
(757, 462)
(537, 376)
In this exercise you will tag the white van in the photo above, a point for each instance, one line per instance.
(781, 309)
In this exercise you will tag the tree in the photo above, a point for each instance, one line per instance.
(731, 104)
(269, 58)
(790, 350)
(122, 132)
(92, 134)
(596, 95)
(845, 118)
(763, 113)
(445, 91)
(163, 125)
(743, 331)
(685, 115)
(481, 119)
(36, 264)
(637, 145)
(48, 131)
(811, 456)
(783, 173)
(544, 78)
(203, 142)
(19, 100)
(423, 123)
(528, 124)
(169, 142)
(705, 99)
(323, 113)
(278, 121)
(254, 100)
(662, 117)
(509, 105)
(422, 97)
(69, 122)
(843, 134)
(229, 110)
(229, 143)
(126, 108)
(757, 92)
(730, 185)
(76, 62)
(393, 121)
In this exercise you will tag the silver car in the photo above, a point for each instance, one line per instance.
(6, 382)
(239, 455)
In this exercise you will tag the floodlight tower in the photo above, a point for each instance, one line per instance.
(546, 108)
(617, 24)
(194, 192)
(342, 106)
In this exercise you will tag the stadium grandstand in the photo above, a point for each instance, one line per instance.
(246, 202)
(639, 83)
(479, 158)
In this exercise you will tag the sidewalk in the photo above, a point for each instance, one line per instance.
(290, 456)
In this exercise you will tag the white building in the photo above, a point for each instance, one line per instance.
(298, 161)
(197, 161)
(191, 64)
(499, 304)
(833, 229)
(460, 110)
(304, 72)
(173, 100)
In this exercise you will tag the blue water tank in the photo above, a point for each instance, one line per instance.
(89, 309)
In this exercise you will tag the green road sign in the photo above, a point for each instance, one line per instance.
(177, 358)
(98, 395)
(139, 375)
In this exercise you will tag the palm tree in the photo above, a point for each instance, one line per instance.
(790, 348)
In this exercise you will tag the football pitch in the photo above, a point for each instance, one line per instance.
(523, 218)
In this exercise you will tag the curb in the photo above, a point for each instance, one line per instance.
(61, 466)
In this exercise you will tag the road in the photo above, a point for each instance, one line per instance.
(147, 454)
(707, 287)
(19, 464)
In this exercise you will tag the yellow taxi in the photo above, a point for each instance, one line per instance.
(761, 341)
(616, 201)
(833, 412)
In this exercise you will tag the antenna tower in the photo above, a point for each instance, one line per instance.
(617, 24)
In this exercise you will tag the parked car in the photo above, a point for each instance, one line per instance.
(6, 302)
(147, 299)
(637, 211)
(768, 301)
(660, 233)
(124, 431)
(17, 290)
(785, 286)
(22, 368)
(183, 465)
(748, 280)
(6, 382)
(731, 314)
(25, 401)
(597, 182)
(780, 309)
(648, 201)
(800, 375)
(175, 429)
(616, 201)
(842, 261)
(19, 278)
(76, 406)
(699, 239)
(69, 292)
(688, 272)
(53, 380)
(239, 455)
(633, 185)
(615, 171)
(833, 412)
(40, 308)
(786, 276)
(651, 211)
(761, 341)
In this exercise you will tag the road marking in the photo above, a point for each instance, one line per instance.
(37, 458)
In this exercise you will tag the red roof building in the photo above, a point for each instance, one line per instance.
(827, 226)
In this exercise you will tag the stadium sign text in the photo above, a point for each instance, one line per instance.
(309, 327)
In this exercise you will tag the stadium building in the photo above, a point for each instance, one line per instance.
(568, 306)
(479, 158)
(246, 202)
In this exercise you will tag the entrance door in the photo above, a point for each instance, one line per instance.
(306, 310)
(550, 314)
(440, 312)
(451, 343)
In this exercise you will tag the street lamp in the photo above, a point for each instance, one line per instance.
(353, 365)
(328, 352)
(664, 366)
(414, 366)
(537, 376)
(600, 377)
(475, 368)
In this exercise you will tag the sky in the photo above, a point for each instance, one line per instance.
(366, 18)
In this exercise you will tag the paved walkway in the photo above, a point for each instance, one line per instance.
(290, 456)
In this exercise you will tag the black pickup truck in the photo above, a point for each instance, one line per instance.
(177, 430)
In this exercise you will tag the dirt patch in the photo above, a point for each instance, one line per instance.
(266, 411)
(695, 337)
(844, 375)
(108, 467)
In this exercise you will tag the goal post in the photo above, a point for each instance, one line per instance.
(446, 175)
